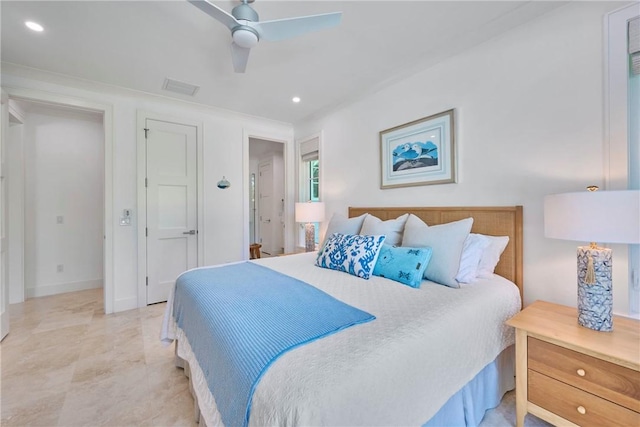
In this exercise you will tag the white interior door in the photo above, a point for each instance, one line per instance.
(4, 285)
(265, 206)
(172, 235)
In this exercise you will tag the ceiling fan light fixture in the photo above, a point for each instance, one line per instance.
(245, 37)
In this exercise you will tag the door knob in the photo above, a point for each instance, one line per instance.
(190, 232)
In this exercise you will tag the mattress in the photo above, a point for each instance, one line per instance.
(400, 369)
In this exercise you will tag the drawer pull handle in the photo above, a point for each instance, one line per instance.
(581, 372)
(582, 410)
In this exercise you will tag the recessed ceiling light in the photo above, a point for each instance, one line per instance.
(433, 136)
(296, 99)
(34, 26)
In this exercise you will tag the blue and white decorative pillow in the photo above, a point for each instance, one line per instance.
(351, 253)
(403, 264)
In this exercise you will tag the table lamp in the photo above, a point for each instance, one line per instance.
(594, 216)
(309, 212)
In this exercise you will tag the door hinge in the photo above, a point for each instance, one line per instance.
(146, 231)
(146, 182)
(146, 132)
(147, 280)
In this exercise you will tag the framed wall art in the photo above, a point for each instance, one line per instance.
(421, 152)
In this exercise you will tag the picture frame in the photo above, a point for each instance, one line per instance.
(421, 152)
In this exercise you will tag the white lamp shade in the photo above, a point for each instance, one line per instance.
(594, 216)
(310, 212)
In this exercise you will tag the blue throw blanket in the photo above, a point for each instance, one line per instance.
(240, 318)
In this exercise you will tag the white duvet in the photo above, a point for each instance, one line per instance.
(399, 369)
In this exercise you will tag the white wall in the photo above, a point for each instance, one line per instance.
(64, 162)
(225, 234)
(529, 122)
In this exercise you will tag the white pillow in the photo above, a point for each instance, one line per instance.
(491, 255)
(474, 246)
(391, 228)
(446, 240)
(343, 225)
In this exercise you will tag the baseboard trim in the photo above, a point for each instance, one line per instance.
(60, 288)
(125, 304)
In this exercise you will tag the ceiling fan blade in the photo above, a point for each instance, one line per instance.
(281, 29)
(239, 57)
(214, 11)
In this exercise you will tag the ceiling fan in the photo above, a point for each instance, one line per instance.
(247, 30)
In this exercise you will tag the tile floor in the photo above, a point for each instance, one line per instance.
(66, 363)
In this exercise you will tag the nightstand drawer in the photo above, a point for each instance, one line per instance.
(607, 380)
(575, 405)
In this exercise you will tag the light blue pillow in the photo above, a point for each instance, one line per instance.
(446, 241)
(351, 253)
(403, 264)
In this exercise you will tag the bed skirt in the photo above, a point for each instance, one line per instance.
(465, 408)
(468, 406)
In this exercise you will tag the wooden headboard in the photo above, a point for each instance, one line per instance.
(494, 221)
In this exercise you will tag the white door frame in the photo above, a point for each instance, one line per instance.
(285, 138)
(4, 282)
(32, 95)
(142, 199)
(616, 156)
(16, 280)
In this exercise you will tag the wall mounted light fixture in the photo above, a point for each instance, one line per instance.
(223, 184)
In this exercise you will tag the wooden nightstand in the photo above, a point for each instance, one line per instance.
(570, 375)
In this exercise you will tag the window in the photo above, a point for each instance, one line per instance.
(309, 179)
(313, 181)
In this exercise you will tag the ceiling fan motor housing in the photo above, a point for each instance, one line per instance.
(244, 35)
(245, 12)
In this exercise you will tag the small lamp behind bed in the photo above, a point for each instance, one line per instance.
(594, 216)
(309, 212)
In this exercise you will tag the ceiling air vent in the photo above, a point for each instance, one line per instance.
(180, 87)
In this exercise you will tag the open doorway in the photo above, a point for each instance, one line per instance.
(267, 196)
(57, 235)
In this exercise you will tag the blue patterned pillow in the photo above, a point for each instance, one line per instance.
(351, 253)
(403, 264)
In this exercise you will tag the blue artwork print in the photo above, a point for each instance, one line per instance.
(411, 155)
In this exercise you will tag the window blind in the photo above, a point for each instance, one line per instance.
(309, 150)
(634, 44)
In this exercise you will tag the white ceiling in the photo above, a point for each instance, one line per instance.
(137, 44)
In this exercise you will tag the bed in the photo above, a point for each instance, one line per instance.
(403, 368)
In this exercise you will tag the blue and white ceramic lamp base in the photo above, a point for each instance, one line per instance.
(309, 237)
(595, 300)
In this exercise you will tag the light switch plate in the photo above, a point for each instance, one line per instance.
(125, 218)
